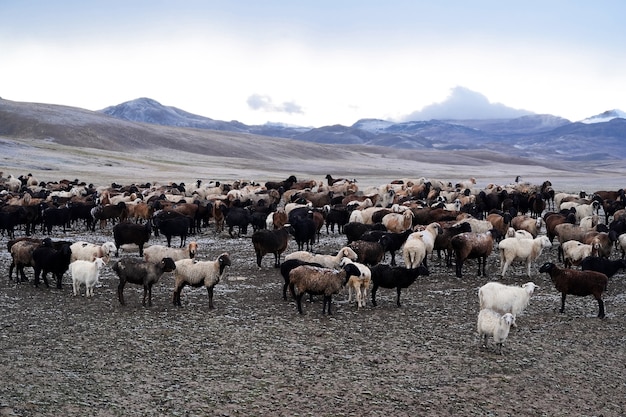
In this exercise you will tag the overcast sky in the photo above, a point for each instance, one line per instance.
(315, 63)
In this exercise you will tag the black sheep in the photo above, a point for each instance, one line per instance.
(580, 283)
(48, 259)
(270, 241)
(385, 276)
(304, 232)
(141, 272)
(237, 216)
(599, 264)
(138, 234)
(171, 223)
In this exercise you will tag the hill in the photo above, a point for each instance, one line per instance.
(59, 141)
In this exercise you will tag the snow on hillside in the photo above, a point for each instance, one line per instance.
(605, 117)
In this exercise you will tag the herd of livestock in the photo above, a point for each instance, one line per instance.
(419, 218)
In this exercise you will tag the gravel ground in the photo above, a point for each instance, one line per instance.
(255, 355)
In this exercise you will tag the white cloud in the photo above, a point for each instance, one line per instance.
(266, 104)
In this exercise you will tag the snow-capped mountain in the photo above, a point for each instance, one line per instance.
(605, 116)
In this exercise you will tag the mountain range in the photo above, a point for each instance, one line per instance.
(600, 137)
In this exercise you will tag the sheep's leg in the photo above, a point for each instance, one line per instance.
(374, 289)
(563, 295)
(399, 290)
(210, 291)
(276, 260)
(120, 292)
(600, 307)
(393, 258)
(327, 301)
(299, 301)
(76, 286)
(59, 280)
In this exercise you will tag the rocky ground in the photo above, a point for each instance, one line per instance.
(255, 355)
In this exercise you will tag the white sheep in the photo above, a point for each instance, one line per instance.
(398, 222)
(505, 298)
(85, 272)
(516, 249)
(478, 226)
(518, 234)
(199, 273)
(155, 253)
(585, 210)
(358, 284)
(419, 245)
(574, 252)
(89, 251)
(328, 261)
(490, 323)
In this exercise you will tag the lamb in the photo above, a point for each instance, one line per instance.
(319, 281)
(85, 272)
(514, 249)
(89, 251)
(139, 271)
(599, 264)
(385, 276)
(270, 241)
(580, 283)
(470, 246)
(137, 234)
(199, 273)
(327, 261)
(574, 252)
(155, 253)
(506, 298)
(490, 323)
(359, 284)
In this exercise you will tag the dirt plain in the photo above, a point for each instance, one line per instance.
(255, 355)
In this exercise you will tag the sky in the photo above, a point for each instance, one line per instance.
(317, 63)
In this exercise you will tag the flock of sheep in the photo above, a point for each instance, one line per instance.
(419, 217)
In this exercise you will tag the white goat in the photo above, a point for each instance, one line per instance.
(89, 251)
(85, 272)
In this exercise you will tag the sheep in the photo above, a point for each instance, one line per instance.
(506, 298)
(420, 244)
(46, 259)
(369, 253)
(359, 283)
(514, 249)
(354, 230)
(606, 266)
(199, 273)
(137, 234)
(270, 241)
(172, 223)
(533, 226)
(327, 261)
(478, 226)
(138, 271)
(385, 276)
(85, 272)
(442, 241)
(392, 242)
(319, 281)
(285, 269)
(555, 219)
(574, 252)
(89, 251)
(22, 255)
(499, 222)
(490, 323)
(398, 222)
(585, 210)
(472, 245)
(155, 253)
(520, 234)
(580, 283)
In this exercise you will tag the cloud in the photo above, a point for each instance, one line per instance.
(463, 104)
(265, 103)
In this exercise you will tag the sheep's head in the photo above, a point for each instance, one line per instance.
(509, 319)
(223, 260)
(193, 249)
(530, 287)
(167, 264)
(547, 267)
